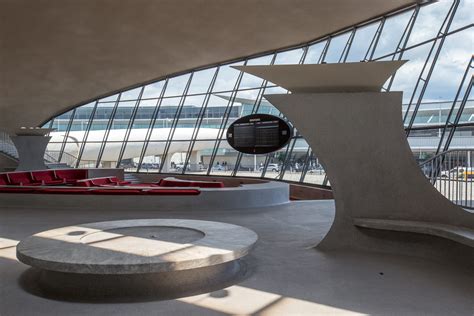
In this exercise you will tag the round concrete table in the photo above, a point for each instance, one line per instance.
(136, 246)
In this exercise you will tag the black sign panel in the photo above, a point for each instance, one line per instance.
(258, 134)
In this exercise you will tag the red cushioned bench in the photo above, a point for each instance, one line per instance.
(66, 190)
(46, 177)
(116, 181)
(174, 182)
(4, 179)
(101, 182)
(22, 178)
(16, 190)
(71, 176)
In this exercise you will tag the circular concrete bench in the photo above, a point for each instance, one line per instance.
(136, 246)
(134, 258)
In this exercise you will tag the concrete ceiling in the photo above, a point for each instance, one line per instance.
(56, 54)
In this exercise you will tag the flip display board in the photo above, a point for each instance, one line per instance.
(258, 134)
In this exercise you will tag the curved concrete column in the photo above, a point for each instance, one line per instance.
(30, 151)
(359, 138)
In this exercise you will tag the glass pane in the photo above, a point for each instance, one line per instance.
(429, 20)
(152, 160)
(176, 85)
(111, 98)
(226, 78)
(201, 81)
(131, 156)
(90, 153)
(463, 15)
(153, 90)
(314, 53)
(407, 75)
(132, 94)
(250, 81)
(452, 63)
(336, 47)
(189, 114)
(392, 33)
(289, 57)
(224, 162)
(361, 42)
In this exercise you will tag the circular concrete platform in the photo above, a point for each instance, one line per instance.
(136, 246)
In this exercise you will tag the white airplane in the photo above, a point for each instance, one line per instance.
(205, 140)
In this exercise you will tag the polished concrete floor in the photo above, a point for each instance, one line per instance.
(285, 275)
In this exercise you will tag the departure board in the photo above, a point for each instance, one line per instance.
(258, 134)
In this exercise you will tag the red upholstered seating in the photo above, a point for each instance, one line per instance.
(16, 190)
(84, 183)
(4, 179)
(22, 178)
(116, 181)
(143, 185)
(115, 191)
(71, 175)
(101, 182)
(65, 190)
(173, 182)
(172, 192)
(46, 177)
(98, 182)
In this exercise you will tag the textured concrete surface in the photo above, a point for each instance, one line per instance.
(335, 115)
(136, 246)
(30, 151)
(286, 275)
(311, 78)
(456, 233)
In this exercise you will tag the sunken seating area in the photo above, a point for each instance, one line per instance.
(42, 177)
(104, 188)
(76, 181)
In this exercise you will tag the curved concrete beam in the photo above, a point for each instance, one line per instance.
(360, 139)
(346, 77)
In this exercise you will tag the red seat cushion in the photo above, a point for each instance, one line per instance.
(115, 191)
(172, 192)
(46, 177)
(16, 190)
(22, 178)
(83, 183)
(71, 175)
(100, 182)
(4, 179)
(70, 190)
(143, 185)
(116, 181)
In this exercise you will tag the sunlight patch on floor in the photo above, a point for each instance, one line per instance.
(239, 300)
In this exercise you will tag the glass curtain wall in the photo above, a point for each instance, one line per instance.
(177, 124)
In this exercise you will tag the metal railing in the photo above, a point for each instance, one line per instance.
(452, 174)
(55, 156)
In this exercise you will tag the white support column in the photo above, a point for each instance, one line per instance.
(166, 163)
(194, 161)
